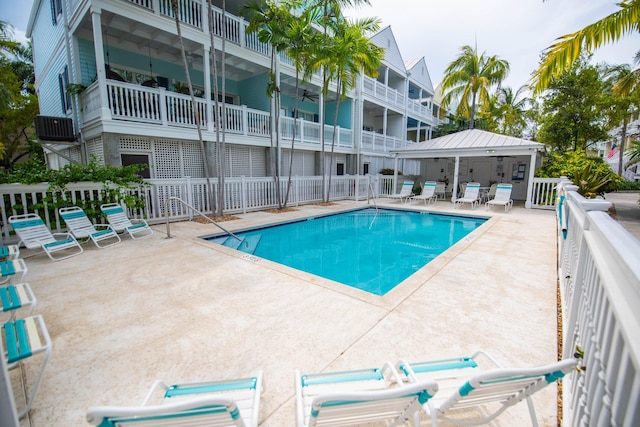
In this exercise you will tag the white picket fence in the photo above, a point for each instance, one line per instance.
(599, 273)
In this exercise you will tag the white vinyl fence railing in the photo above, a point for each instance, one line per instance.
(599, 273)
(241, 195)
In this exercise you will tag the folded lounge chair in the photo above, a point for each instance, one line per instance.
(33, 233)
(79, 225)
(22, 339)
(428, 193)
(463, 385)
(117, 218)
(12, 271)
(16, 297)
(357, 397)
(471, 195)
(405, 192)
(220, 403)
(502, 197)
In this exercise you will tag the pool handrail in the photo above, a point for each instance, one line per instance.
(166, 212)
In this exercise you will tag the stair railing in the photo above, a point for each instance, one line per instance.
(166, 213)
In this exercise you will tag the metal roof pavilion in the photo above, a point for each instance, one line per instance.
(473, 143)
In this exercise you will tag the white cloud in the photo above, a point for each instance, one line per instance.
(515, 30)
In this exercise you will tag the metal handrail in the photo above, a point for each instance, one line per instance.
(166, 212)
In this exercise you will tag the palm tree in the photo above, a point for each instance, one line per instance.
(300, 36)
(560, 56)
(348, 54)
(623, 85)
(512, 110)
(266, 21)
(469, 78)
(176, 14)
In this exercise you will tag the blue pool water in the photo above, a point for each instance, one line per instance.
(363, 249)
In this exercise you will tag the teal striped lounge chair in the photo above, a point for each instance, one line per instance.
(12, 271)
(78, 223)
(118, 219)
(405, 192)
(471, 195)
(470, 395)
(21, 340)
(428, 194)
(16, 297)
(34, 234)
(233, 403)
(365, 396)
(502, 197)
(9, 252)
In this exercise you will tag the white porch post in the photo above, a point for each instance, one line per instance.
(454, 193)
(96, 23)
(532, 169)
(395, 173)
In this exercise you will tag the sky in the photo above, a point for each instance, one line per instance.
(514, 30)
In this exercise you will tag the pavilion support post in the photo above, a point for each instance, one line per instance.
(454, 192)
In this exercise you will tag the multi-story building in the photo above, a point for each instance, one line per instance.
(114, 67)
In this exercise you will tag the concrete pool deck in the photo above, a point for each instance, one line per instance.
(186, 310)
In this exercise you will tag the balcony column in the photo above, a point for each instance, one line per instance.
(96, 22)
(206, 66)
(532, 168)
(384, 127)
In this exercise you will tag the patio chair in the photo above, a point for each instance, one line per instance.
(219, 403)
(428, 193)
(117, 218)
(464, 386)
(33, 233)
(405, 192)
(21, 340)
(361, 396)
(79, 225)
(16, 297)
(471, 195)
(502, 197)
(9, 252)
(12, 271)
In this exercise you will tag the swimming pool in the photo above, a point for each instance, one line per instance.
(369, 249)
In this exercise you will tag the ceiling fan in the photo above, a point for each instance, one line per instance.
(308, 95)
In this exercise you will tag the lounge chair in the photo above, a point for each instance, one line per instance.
(361, 396)
(428, 193)
(16, 297)
(219, 403)
(117, 218)
(33, 233)
(502, 197)
(9, 252)
(465, 386)
(12, 271)
(22, 339)
(471, 195)
(405, 192)
(441, 190)
(79, 225)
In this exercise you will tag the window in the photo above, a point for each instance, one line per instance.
(365, 169)
(56, 10)
(340, 169)
(65, 97)
(137, 159)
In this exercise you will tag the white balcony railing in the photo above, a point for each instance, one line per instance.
(383, 93)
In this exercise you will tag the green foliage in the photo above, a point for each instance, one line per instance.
(573, 115)
(116, 185)
(388, 171)
(591, 174)
(629, 186)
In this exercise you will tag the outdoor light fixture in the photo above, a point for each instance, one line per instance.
(491, 151)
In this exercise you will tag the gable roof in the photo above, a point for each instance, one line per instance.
(469, 143)
(419, 73)
(392, 57)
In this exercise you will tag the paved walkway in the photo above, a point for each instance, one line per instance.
(184, 310)
(627, 210)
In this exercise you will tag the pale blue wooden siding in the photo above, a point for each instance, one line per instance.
(87, 58)
(49, 91)
(49, 38)
(253, 91)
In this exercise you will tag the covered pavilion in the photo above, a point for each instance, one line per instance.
(477, 155)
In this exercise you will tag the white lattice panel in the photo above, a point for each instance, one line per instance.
(240, 161)
(95, 150)
(192, 160)
(167, 159)
(135, 143)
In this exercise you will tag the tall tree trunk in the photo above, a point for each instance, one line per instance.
(333, 137)
(473, 111)
(623, 137)
(216, 105)
(221, 153)
(293, 139)
(174, 5)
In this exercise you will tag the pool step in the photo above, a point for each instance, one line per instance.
(247, 244)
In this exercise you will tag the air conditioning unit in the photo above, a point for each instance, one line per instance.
(57, 129)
